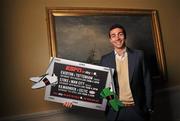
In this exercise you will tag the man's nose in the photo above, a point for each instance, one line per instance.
(117, 37)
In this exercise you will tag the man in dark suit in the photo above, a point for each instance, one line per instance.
(131, 78)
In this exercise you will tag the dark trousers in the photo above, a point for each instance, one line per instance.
(125, 114)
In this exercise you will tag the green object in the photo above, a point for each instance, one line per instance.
(112, 98)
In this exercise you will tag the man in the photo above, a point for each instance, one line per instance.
(131, 78)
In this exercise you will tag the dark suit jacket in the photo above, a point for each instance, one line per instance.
(139, 77)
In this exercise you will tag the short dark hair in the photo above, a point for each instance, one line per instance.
(117, 26)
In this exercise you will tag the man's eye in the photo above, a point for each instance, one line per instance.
(112, 36)
(120, 34)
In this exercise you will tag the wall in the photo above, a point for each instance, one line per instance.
(25, 46)
(167, 104)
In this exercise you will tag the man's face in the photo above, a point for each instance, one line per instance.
(117, 38)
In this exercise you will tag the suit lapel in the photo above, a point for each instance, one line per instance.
(131, 62)
(113, 65)
(112, 60)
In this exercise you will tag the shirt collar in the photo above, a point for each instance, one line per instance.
(122, 53)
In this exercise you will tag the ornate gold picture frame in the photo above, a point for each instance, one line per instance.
(81, 34)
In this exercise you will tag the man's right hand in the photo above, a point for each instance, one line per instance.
(68, 104)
